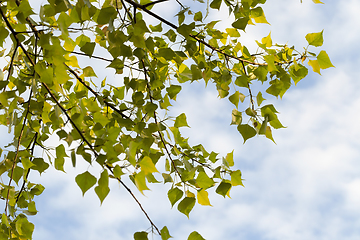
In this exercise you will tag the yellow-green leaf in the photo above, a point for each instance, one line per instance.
(174, 195)
(203, 197)
(236, 178)
(180, 121)
(315, 39)
(147, 165)
(195, 236)
(203, 180)
(140, 182)
(102, 190)
(315, 65)
(324, 60)
(85, 181)
(186, 205)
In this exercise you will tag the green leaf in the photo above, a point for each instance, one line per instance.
(324, 60)
(185, 29)
(236, 117)
(236, 178)
(233, 32)
(263, 127)
(173, 90)
(100, 118)
(186, 205)
(180, 121)
(88, 48)
(157, 28)
(174, 195)
(315, 39)
(24, 227)
(165, 235)
(4, 220)
(215, 4)
(85, 181)
(89, 72)
(32, 208)
(241, 23)
(171, 35)
(258, 15)
(60, 155)
(203, 197)
(140, 182)
(27, 163)
(223, 189)
(246, 131)
(195, 72)
(270, 60)
(203, 180)
(141, 236)
(117, 171)
(195, 236)
(39, 165)
(234, 99)
(229, 159)
(106, 14)
(259, 98)
(267, 40)
(167, 53)
(298, 72)
(147, 165)
(102, 190)
(198, 16)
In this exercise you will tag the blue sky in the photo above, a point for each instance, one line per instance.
(307, 186)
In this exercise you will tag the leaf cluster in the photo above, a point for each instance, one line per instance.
(52, 87)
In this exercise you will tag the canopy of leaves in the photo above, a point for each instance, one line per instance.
(117, 123)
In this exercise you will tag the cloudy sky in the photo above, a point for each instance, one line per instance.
(307, 186)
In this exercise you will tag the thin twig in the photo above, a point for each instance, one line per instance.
(95, 93)
(155, 118)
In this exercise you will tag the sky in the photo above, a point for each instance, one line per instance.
(306, 186)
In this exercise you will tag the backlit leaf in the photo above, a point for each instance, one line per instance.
(165, 235)
(324, 60)
(140, 182)
(186, 205)
(195, 236)
(85, 181)
(236, 178)
(241, 23)
(147, 165)
(102, 190)
(204, 181)
(174, 195)
(315, 39)
(203, 197)
(223, 189)
(246, 131)
(315, 65)
(141, 236)
(180, 121)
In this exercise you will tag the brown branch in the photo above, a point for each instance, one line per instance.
(251, 96)
(17, 151)
(95, 93)
(155, 118)
(136, 200)
(104, 59)
(28, 170)
(137, 5)
(152, 3)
